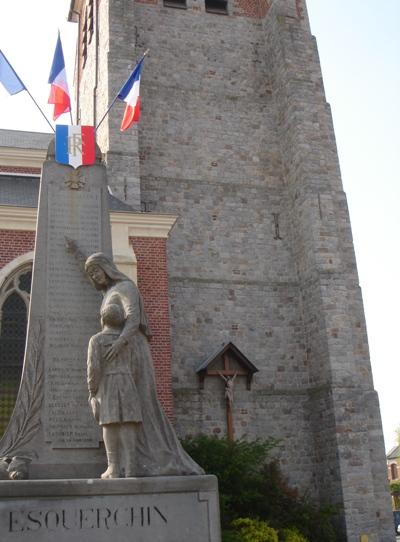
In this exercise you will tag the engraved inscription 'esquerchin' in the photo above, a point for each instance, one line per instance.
(75, 181)
(104, 519)
(25, 420)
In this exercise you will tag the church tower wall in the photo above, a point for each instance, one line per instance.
(344, 406)
(236, 138)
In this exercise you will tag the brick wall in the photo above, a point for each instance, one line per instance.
(153, 284)
(251, 8)
(15, 243)
(27, 170)
(242, 8)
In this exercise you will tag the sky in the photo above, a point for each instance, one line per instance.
(359, 48)
(29, 42)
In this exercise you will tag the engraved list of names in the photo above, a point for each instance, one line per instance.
(72, 314)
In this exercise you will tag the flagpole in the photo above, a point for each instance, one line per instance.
(37, 105)
(25, 88)
(116, 97)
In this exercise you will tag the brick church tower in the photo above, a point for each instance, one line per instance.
(236, 138)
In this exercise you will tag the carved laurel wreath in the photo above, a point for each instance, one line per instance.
(25, 420)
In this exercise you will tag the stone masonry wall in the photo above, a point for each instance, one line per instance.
(236, 138)
(232, 277)
(209, 151)
(350, 466)
(98, 87)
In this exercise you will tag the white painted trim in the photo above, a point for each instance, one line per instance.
(123, 226)
(132, 224)
(19, 157)
(17, 218)
(145, 224)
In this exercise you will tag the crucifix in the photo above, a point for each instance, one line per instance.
(229, 381)
(228, 364)
(228, 374)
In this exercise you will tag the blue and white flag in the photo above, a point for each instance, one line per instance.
(75, 145)
(8, 78)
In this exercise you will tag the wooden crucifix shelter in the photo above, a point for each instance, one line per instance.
(227, 363)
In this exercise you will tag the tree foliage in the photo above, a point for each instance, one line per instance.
(251, 485)
(395, 492)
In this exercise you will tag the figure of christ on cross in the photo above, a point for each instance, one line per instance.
(229, 381)
(234, 364)
(229, 374)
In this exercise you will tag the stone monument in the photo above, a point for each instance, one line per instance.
(51, 426)
(53, 438)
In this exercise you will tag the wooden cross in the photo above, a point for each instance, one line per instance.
(241, 367)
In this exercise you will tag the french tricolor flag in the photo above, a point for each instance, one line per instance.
(59, 93)
(129, 94)
(75, 145)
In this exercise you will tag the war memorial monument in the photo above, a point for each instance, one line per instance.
(141, 483)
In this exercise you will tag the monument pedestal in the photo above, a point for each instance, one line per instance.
(159, 509)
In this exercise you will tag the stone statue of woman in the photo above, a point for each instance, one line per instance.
(138, 437)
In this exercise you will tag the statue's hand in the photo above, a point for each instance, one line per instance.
(115, 349)
(94, 405)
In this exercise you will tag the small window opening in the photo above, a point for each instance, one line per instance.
(87, 30)
(175, 4)
(393, 471)
(217, 6)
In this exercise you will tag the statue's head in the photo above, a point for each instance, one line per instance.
(102, 271)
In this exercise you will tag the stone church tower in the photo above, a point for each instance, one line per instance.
(236, 138)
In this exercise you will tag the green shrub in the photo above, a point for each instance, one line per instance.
(239, 468)
(284, 508)
(395, 487)
(253, 530)
(395, 491)
(230, 536)
(251, 485)
(291, 535)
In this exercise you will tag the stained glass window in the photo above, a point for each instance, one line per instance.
(14, 304)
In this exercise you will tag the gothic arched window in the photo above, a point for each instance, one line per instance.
(14, 305)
